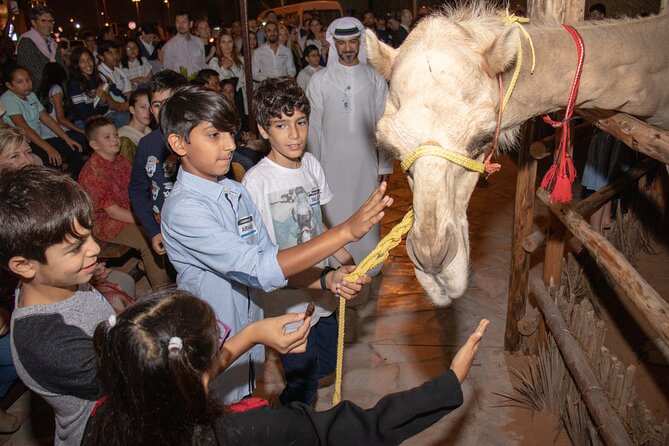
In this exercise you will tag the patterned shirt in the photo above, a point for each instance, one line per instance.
(107, 184)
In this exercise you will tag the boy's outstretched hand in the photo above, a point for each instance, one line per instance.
(369, 214)
(465, 356)
(339, 286)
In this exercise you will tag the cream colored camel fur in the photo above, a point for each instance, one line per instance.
(443, 89)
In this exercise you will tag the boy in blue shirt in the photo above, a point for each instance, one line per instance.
(215, 237)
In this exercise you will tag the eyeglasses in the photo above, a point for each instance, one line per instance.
(50, 22)
(225, 332)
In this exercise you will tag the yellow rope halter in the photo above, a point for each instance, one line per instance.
(518, 21)
(435, 150)
(390, 241)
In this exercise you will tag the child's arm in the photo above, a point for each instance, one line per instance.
(269, 332)
(343, 256)
(293, 260)
(34, 137)
(118, 213)
(48, 121)
(60, 113)
(334, 281)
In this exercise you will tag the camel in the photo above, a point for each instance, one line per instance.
(443, 90)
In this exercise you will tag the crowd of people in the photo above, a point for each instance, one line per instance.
(132, 143)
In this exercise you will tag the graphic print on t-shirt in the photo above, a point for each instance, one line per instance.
(296, 215)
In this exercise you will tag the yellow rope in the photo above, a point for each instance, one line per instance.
(376, 257)
(518, 21)
(434, 150)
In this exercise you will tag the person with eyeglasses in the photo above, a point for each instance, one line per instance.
(36, 46)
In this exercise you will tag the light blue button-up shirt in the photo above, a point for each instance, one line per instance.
(216, 240)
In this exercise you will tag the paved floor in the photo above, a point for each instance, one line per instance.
(402, 340)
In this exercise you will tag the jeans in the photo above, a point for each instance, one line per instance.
(121, 119)
(303, 370)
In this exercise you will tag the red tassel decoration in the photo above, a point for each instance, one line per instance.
(561, 174)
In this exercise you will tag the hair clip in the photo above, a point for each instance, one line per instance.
(112, 320)
(175, 344)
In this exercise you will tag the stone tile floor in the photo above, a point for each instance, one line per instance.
(402, 339)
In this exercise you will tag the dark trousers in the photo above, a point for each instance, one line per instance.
(303, 370)
(73, 158)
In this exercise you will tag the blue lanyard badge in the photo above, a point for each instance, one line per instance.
(246, 226)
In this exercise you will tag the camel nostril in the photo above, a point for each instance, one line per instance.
(412, 255)
(431, 259)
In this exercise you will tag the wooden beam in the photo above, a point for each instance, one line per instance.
(653, 307)
(248, 69)
(640, 136)
(608, 424)
(586, 207)
(522, 226)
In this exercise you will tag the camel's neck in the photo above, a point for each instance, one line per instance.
(619, 72)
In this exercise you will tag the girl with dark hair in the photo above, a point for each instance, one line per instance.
(51, 94)
(158, 357)
(86, 92)
(24, 110)
(135, 67)
(229, 65)
(316, 37)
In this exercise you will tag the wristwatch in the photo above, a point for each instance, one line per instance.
(324, 273)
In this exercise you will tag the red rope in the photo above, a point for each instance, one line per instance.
(561, 175)
(491, 167)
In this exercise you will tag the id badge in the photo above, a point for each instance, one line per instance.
(315, 198)
(246, 226)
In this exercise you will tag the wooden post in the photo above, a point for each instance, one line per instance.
(248, 73)
(522, 227)
(651, 305)
(607, 422)
(567, 11)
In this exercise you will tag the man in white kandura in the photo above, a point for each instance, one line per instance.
(347, 98)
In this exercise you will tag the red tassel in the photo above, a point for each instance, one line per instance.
(549, 179)
(561, 190)
(559, 178)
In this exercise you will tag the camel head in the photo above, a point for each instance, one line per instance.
(442, 90)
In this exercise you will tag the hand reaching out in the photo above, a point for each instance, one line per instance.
(463, 359)
(369, 214)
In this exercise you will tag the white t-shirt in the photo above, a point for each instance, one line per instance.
(290, 202)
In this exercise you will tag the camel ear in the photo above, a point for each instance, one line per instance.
(379, 55)
(499, 54)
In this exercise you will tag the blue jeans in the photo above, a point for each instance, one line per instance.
(121, 119)
(7, 371)
(303, 370)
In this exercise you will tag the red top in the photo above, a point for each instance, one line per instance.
(106, 182)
